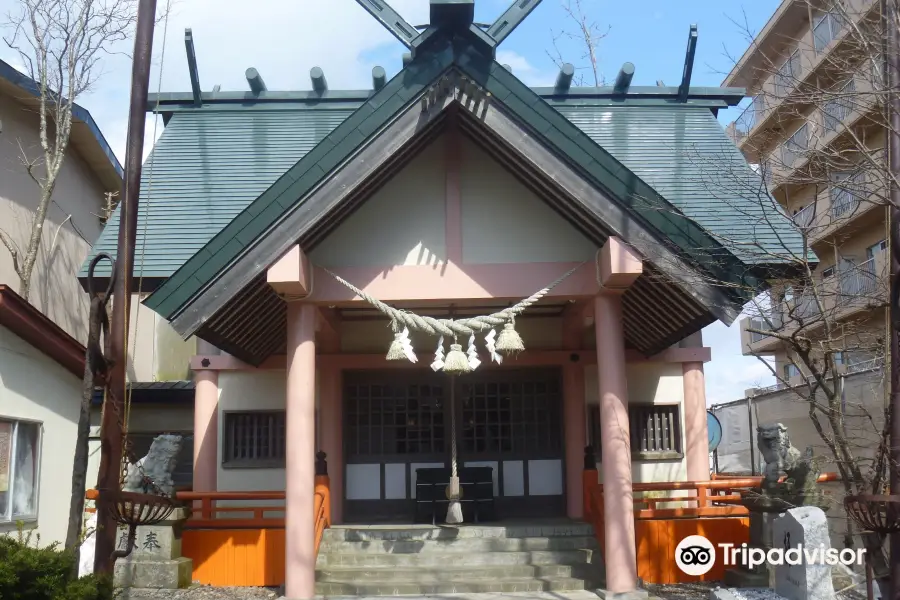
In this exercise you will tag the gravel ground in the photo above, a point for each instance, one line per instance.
(682, 591)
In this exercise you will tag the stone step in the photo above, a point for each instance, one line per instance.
(456, 574)
(401, 588)
(427, 532)
(460, 559)
(453, 545)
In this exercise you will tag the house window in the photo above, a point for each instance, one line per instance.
(790, 371)
(828, 273)
(20, 461)
(788, 74)
(655, 431)
(846, 189)
(826, 27)
(838, 358)
(795, 145)
(254, 439)
(876, 249)
(836, 111)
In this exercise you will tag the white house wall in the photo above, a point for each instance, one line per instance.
(71, 227)
(35, 387)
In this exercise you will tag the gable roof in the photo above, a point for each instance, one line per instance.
(226, 153)
(86, 136)
(214, 271)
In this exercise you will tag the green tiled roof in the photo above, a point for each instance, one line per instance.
(683, 153)
(209, 165)
(206, 167)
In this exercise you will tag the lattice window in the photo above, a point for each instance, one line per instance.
(386, 419)
(254, 438)
(655, 430)
(512, 416)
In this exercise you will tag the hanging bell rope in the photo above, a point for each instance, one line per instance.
(507, 343)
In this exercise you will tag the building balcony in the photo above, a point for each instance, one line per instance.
(855, 288)
(785, 87)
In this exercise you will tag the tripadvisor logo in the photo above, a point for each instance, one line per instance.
(695, 555)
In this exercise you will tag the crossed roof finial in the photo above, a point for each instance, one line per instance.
(449, 13)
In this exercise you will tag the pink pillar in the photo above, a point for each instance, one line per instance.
(695, 433)
(573, 413)
(618, 507)
(331, 435)
(300, 431)
(206, 430)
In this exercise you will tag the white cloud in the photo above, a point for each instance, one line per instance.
(524, 70)
(730, 373)
(283, 39)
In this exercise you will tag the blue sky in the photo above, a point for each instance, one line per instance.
(283, 39)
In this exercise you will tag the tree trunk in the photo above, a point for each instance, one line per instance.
(80, 463)
(37, 234)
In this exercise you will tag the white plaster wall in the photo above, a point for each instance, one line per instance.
(504, 222)
(261, 390)
(648, 383)
(401, 224)
(55, 291)
(35, 387)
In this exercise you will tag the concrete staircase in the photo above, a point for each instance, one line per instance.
(418, 560)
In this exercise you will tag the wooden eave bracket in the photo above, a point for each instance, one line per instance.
(291, 275)
(618, 266)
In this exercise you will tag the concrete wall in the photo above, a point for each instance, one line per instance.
(34, 387)
(55, 290)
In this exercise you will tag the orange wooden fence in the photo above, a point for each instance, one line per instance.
(707, 508)
(242, 545)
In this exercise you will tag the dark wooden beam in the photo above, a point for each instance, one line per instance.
(512, 18)
(257, 85)
(192, 65)
(317, 75)
(564, 79)
(685, 86)
(623, 79)
(379, 78)
(391, 20)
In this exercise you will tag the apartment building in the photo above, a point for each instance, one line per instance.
(815, 130)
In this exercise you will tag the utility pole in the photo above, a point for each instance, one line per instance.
(891, 15)
(112, 423)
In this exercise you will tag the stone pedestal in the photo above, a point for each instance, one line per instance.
(156, 561)
(804, 528)
(761, 536)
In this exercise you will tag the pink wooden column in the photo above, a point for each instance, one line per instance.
(695, 428)
(331, 435)
(206, 430)
(300, 431)
(619, 267)
(618, 507)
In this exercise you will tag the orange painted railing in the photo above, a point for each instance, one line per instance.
(709, 508)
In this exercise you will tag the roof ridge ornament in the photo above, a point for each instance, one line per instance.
(449, 14)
